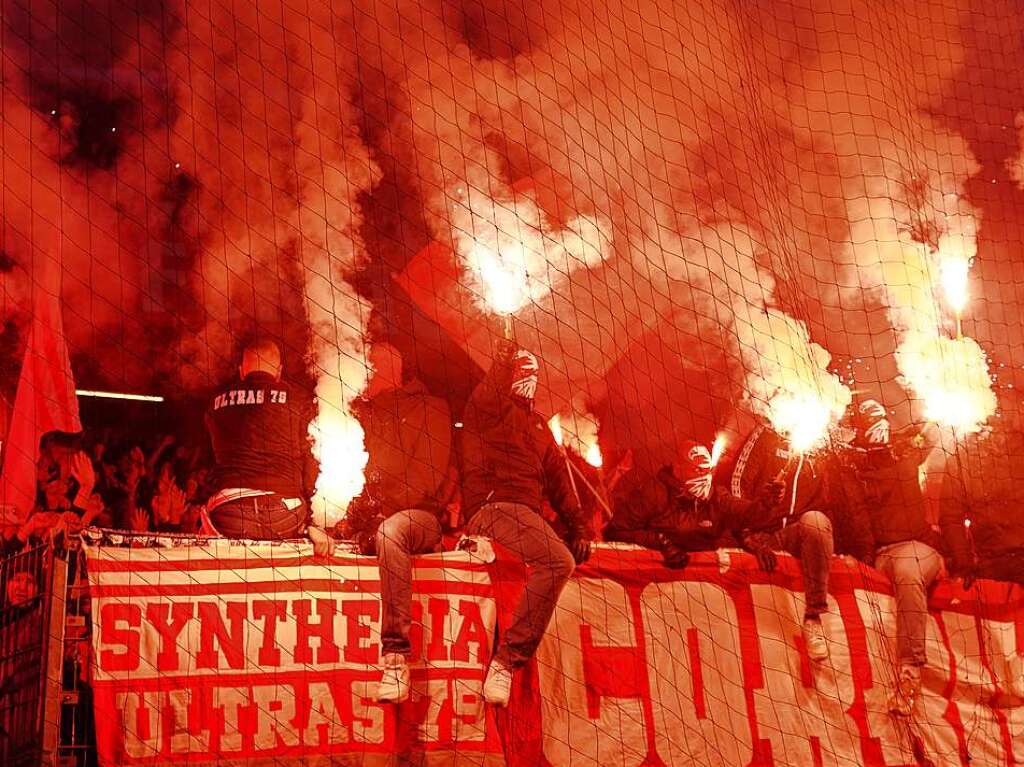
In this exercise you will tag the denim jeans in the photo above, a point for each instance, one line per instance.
(912, 566)
(261, 518)
(400, 537)
(549, 564)
(809, 539)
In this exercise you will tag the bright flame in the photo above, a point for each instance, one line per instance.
(338, 445)
(717, 450)
(594, 457)
(951, 375)
(954, 281)
(802, 418)
(555, 424)
(504, 278)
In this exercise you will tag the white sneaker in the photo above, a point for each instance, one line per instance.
(498, 684)
(908, 687)
(394, 683)
(814, 638)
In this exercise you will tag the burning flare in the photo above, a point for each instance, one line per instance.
(593, 456)
(951, 375)
(954, 281)
(718, 450)
(555, 424)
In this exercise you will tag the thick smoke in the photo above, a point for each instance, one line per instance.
(745, 187)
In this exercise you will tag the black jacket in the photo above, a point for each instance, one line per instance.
(509, 454)
(822, 483)
(654, 510)
(259, 428)
(982, 483)
(889, 476)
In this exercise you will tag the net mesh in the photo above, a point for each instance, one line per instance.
(708, 220)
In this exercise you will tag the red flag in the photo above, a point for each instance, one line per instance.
(45, 402)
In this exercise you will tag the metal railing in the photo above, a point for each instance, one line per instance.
(45, 707)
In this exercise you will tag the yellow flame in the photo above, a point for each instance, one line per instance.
(954, 281)
(594, 457)
(951, 376)
(717, 450)
(555, 424)
(338, 445)
(504, 279)
(803, 419)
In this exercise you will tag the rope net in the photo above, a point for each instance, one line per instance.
(778, 242)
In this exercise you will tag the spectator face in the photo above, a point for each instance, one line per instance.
(20, 589)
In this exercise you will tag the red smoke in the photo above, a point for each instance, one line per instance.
(829, 133)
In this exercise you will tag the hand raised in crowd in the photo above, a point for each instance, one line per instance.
(138, 520)
(168, 505)
(760, 545)
(323, 544)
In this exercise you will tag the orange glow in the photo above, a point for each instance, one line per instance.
(718, 450)
(555, 424)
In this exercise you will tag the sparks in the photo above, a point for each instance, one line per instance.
(803, 419)
(118, 395)
(954, 282)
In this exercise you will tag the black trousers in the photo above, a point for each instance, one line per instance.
(262, 518)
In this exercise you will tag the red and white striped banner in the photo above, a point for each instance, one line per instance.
(261, 653)
(244, 652)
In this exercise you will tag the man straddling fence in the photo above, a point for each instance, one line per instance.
(510, 467)
(409, 441)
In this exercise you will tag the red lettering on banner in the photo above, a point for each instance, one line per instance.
(270, 611)
(168, 630)
(324, 725)
(228, 702)
(436, 649)
(357, 633)
(698, 700)
(472, 631)
(140, 717)
(610, 672)
(274, 705)
(111, 615)
(322, 629)
(211, 627)
(693, 645)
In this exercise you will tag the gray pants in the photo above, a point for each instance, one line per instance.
(912, 566)
(524, 533)
(400, 537)
(809, 539)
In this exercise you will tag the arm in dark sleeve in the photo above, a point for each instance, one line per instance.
(631, 521)
(559, 489)
(952, 513)
(850, 512)
(494, 389)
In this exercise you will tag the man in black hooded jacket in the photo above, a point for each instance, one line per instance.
(510, 467)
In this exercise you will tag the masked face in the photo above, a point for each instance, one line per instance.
(875, 423)
(524, 376)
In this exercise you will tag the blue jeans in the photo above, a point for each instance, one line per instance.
(912, 566)
(809, 539)
(400, 537)
(549, 564)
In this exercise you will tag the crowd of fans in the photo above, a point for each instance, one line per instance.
(97, 479)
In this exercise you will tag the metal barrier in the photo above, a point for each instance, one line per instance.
(45, 710)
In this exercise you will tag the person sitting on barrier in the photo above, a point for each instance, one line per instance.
(799, 523)
(409, 484)
(678, 510)
(979, 511)
(510, 464)
(264, 473)
(906, 546)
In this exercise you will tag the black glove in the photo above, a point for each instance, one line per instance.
(965, 569)
(675, 557)
(760, 545)
(366, 539)
(772, 493)
(579, 548)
